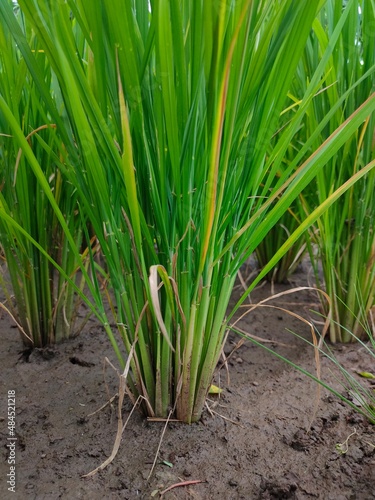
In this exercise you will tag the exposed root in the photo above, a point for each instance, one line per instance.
(344, 447)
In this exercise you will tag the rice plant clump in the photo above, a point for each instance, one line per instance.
(164, 115)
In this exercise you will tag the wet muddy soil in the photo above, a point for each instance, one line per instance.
(264, 437)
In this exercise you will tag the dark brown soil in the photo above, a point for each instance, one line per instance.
(263, 438)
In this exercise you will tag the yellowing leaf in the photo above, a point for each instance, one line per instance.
(214, 389)
(366, 374)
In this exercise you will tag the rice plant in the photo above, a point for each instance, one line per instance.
(164, 115)
(41, 300)
(291, 219)
(274, 240)
(344, 235)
